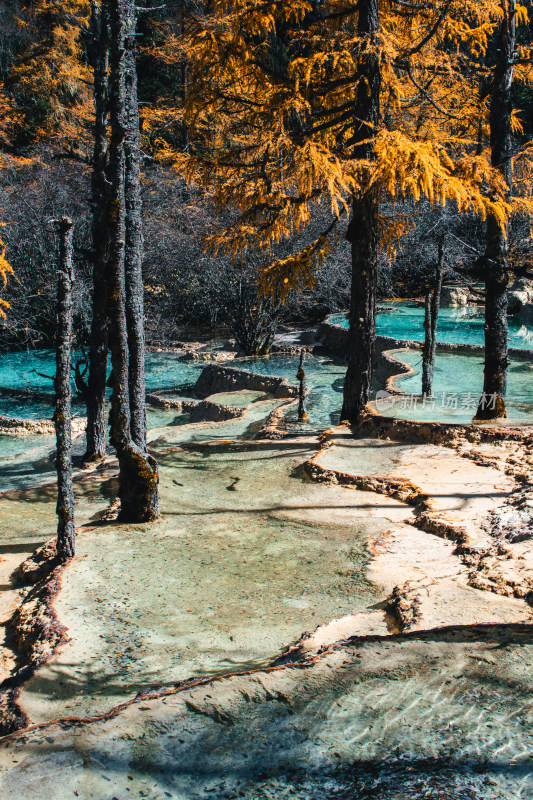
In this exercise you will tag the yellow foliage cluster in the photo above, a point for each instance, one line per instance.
(10, 119)
(51, 76)
(271, 100)
(294, 272)
(5, 271)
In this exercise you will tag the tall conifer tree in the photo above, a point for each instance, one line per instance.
(342, 103)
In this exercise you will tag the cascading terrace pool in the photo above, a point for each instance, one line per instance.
(246, 557)
(404, 319)
(458, 378)
(169, 371)
(248, 554)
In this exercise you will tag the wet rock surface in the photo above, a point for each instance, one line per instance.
(215, 379)
(16, 426)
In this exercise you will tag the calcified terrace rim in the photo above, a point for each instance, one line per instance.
(39, 637)
(46, 633)
(386, 343)
(334, 340)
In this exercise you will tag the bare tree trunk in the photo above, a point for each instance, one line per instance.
(95, 399)
(302, 413)
(138, 475)
(363, 227)
(66, 531)
(492, 402)
(431, 319)
(134, 237)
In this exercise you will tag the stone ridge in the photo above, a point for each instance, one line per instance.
(215, 379)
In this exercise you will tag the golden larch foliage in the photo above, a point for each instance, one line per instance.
(270, 108)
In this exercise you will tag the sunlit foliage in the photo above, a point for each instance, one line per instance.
(270, 97)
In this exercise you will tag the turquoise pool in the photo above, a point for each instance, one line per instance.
(457, 387)
(404, 319)
(165, 370)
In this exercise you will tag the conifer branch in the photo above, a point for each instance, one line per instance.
(428, 97)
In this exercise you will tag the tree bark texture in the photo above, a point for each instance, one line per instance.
(363, 227)
(134, 235)
(302, 413)
(492, 402)
(138, 475)
(431, 318)
(66, 531)
(95, 400)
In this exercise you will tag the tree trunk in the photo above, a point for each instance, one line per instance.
(96, 416)
(138, 476)
(302, 413)
(134, 237)
(431, 319)
(66, 531)
(492, 402)
(363, 227)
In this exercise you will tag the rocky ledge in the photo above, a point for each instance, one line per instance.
(17, 426)
(216, 379)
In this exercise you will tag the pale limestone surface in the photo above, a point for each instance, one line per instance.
(260, 554)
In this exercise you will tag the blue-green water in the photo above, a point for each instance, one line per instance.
(457, 387)
(324, 379)
(28, 370)
(165, 371)
(405, 320)
(454, 373)
(21, 370)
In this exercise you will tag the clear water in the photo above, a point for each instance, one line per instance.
(13, 445)
(443, 717)
(464, 325)
(457, 387)
(166, 371)
(245, 558)
(19, 370)
(324, 379)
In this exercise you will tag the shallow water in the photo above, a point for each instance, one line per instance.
(324, 379)
(13, 445)
(20, 370)
(167, 371)
(440, 716)
(405, 320)
(363, 456)
(457, 387)
(248, 554)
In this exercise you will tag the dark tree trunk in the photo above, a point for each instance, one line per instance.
(66, 531)
(95, 399)
(138, 476)
(492, 402)
(302, 413)
(363, 227)
(134, 237)
(431, 319)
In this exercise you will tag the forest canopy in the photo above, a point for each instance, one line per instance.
(252, 146)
